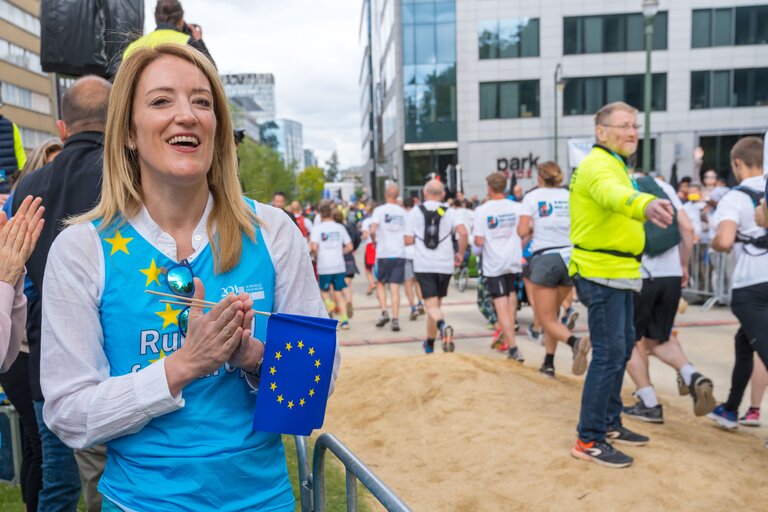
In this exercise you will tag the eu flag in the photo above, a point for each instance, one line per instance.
(295, 374)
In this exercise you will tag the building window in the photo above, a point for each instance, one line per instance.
(585, 95)
(506, 39)
(729, 88)
(19, 17)
(21, 57)
(429, 70)
(729, 26)
(509, 100)
(30, 138)
(611, 33)
(24, 98)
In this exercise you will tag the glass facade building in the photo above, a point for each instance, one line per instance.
(467, 87)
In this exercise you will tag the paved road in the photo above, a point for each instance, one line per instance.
(707, 337)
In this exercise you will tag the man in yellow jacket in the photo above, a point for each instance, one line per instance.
(607, 215)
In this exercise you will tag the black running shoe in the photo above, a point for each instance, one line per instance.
(429, 346)
(601, 453)
(447, 335)
(547, 370)
(641, 412)
(383, 319)
(516, 354)
(626, 436)
(701, 390)
(395, 325)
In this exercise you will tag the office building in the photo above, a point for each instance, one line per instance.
(253, 93)
(26, 92)
(463, 88)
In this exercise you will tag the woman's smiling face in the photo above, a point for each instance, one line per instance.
(173, 122)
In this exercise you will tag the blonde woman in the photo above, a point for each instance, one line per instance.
(170, 391)
(546, 214)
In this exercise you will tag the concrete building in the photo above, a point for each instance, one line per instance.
(466, 87)
(26, 93)
(310, 159)
(290, 142)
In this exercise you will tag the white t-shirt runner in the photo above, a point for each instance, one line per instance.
(496, 222)
(440, 259)
(390, 227)
(549, 211)
(751, 262)
(331, 237)
(666, 264)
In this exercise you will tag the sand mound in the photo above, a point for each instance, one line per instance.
(469, 433)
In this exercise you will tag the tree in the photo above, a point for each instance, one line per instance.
(332, 168)
(310, 183)
(263, 172)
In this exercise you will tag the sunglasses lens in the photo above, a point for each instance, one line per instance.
(180, 281)
(183, 319)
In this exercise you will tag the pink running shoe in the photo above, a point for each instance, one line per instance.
(751, 418)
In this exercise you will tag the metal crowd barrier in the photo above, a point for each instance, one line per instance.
(710, 274)
(312, 485)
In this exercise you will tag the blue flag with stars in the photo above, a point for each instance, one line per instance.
(295, 374)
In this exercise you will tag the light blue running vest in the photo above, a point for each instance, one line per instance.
(205, 455)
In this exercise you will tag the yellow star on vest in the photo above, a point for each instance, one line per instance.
(118, 243)
(152, 273)
(278, 355)
(317, 363)
(317, 378)
(311, 351)
(311, 392)
(161, 356)
(288, 346)
(273, 386)
(272, 370)
(169, 316)
(279, 399)
(300, 344)
(302, 402)
(290, 404)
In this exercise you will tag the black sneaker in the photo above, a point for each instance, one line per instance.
(626, 436)
(395, 324)
(515, 354)
(547, 370)
(383, 319)
(601, 453)
(641, 412)
(414, 314)
(701, 390)
(429, 346)
(447, 335)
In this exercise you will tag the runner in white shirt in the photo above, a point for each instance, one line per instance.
(369, 251)
(664, 276)
(495, 232)
(329, 241)
(749, 289)
(387, 231)
(546, 212)
(412, 290)
(434, 267)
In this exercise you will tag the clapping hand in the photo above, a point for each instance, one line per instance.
(18, 238)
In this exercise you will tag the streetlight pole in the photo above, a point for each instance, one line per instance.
(559, 84)
(650, 8)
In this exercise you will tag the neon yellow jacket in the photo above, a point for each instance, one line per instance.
(607, 213)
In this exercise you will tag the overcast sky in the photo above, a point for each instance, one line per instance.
(311, 46)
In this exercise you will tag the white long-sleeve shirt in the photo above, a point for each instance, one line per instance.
(13, 321)
(84, 405)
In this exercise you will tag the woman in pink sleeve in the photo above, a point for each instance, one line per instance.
(18, 237)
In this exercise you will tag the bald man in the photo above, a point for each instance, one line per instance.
(69, 185)
(430, 228)
(387, 232)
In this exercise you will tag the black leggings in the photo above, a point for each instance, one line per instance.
(16, 385)
(750, 305)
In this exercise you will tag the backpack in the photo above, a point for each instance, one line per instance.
(658, 240)
(432, 226)
(354, 234)
(760, 242)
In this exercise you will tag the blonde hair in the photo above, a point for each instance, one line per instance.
(121, 193)
(497, 181)
(551, 174)
(39, 157)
